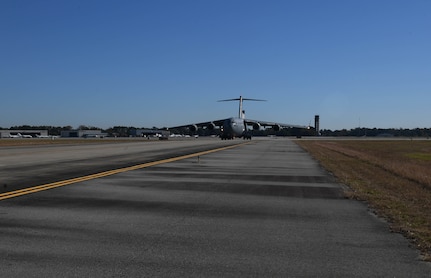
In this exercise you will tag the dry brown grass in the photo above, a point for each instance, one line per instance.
(393, 176)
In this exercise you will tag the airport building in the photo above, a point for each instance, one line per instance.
(7, 133)
(83, 134)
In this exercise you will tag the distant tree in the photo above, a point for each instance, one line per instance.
(85, 127)
(120, 131)
(373, 132)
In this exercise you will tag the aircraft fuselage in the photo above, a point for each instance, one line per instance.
(234, 127)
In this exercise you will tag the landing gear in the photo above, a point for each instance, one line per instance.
(224, 137)
(246, 135)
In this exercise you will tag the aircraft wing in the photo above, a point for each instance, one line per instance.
(276, 126)
(193, 127)
(254, 123)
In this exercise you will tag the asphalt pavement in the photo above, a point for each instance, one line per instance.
(264, 209)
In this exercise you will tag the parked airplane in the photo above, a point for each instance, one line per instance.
(237, 126)
(15, 136)
(19, 135)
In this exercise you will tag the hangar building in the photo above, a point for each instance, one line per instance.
(83, 133)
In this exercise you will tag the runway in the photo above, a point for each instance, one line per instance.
(262, 209)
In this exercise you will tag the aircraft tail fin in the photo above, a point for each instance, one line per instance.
(241, 99)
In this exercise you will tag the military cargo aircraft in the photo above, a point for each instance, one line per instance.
(236, 127)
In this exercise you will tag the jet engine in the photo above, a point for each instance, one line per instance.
(256, 126)
(276, 127)
(211, 126)
(193, 128)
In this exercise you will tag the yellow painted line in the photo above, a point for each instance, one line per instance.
(34, 189)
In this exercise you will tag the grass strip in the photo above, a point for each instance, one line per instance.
(392, 176)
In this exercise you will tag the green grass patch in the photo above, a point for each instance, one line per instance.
(420, 156)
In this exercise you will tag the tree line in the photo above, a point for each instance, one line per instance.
(378, 132)
(126, 131)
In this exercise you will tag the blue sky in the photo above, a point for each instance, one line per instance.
(165, 63)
